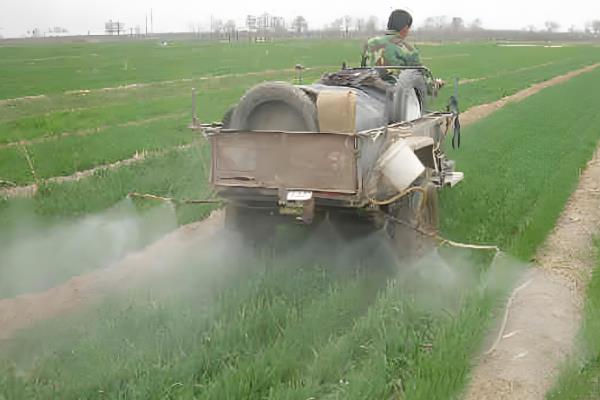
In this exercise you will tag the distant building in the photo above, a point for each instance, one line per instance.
(111, 27)
(265, 23)
(251, 23)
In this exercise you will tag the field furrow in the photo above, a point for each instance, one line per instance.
(107, 295)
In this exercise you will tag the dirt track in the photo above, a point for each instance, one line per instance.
(20, 312)
(468, 117)
(476, 113)
(545, 316)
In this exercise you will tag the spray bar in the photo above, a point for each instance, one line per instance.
(172, 200)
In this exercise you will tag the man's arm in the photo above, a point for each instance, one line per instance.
(365, 56)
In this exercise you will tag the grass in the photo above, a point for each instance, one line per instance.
(66, 206)
(69, 113)
(300, 326)
(505, 83)
(524, 160)
(106, 118)
(55, 68)
(580, 377)
(79, 153)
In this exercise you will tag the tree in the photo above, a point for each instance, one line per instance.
(336, 25)
(457, 24)
(299, 24)
(230, 26)
(476, 25)
(347, 23)
(371, 24)
(551, 26)
(595, 25)
(436, 23)
(359, 24)
(216, 25)
(530, 28)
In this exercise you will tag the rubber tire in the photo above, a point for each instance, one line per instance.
(429, 221)
(226, 121)
(276, 92)
(423, 215)
(406, 81)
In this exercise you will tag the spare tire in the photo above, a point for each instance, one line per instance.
(410, 94)
(276, 106)
(226, 120)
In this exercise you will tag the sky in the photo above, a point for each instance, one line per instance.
(83, 16)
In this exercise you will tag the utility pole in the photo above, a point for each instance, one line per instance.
(151, 22)
(146, 24)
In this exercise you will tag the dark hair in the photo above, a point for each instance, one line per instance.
(399, 19)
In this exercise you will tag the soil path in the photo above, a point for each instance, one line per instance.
(476, 113)
(31, 190)
(544, 315)
(21, 312)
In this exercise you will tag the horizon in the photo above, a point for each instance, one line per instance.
(84, 17)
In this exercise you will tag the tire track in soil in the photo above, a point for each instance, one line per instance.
(545, 314)
(23, 311)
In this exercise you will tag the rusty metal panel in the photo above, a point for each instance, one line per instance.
(337, 110)
(310, 161)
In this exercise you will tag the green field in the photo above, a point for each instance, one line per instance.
(323, 321)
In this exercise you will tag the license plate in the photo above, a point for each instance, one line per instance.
(299, 196)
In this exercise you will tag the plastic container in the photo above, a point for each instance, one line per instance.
(400, 165)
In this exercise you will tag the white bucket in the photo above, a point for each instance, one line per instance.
(400, 165)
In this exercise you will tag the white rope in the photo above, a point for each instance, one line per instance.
(506, 314)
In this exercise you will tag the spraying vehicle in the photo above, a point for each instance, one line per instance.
(357, 148)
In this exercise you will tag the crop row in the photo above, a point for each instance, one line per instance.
(325, 319)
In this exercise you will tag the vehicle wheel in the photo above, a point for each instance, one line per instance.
(418, 210)
(276, 106)
(429, 211)
(226, 121)
(410, 96)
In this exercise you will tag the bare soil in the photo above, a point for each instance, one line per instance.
(545, 311)
(477, 113)
(468, 117)
(491, 377)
